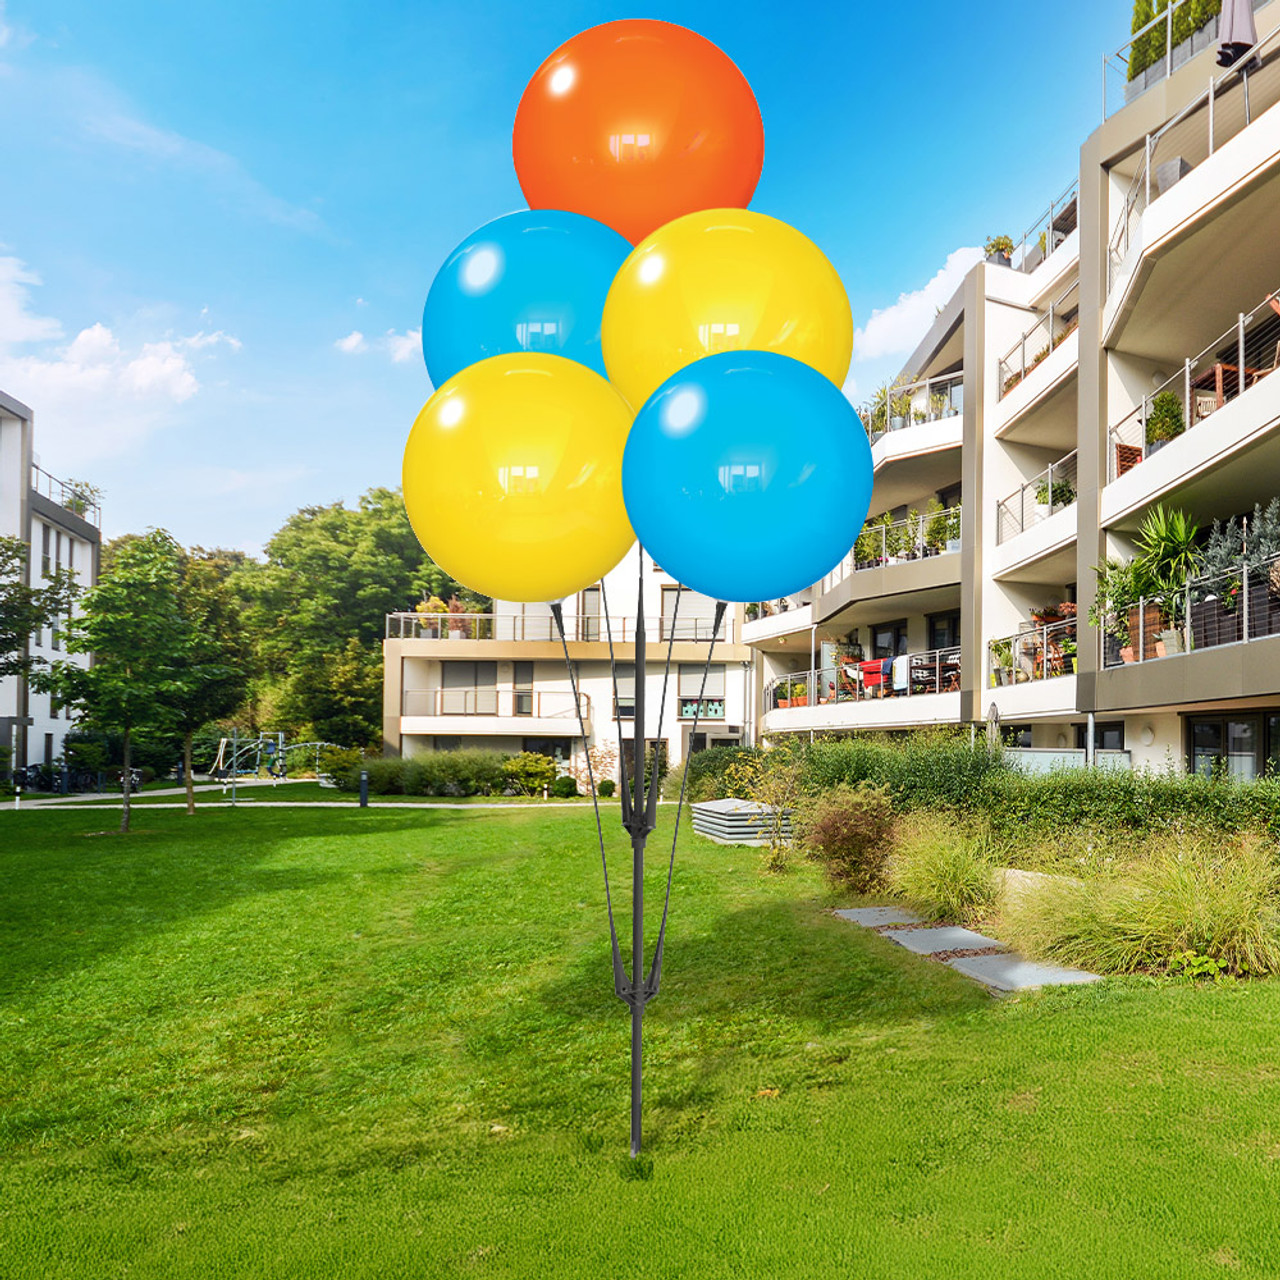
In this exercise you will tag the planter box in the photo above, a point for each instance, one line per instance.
(1148, 629)
(1213, 624)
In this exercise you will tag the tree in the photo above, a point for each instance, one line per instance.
(132, 624)
(217, 654)
(316, 610)
(25, 609)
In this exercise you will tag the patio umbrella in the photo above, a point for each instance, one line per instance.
(993, 726)
(1237, 33)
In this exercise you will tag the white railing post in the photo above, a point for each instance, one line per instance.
(1146, 165)
(1244, 591)
(1211, 86)
(1168, 41)
(1186, 391)
(1142, 628)
(1240, 354)
(1186, 621)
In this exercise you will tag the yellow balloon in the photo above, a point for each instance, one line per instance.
(513, 477)
(723, 280)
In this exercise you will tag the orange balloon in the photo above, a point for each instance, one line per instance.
(636, 122)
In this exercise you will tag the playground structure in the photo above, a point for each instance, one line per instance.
(247, 757)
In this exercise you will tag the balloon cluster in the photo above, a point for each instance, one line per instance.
(686, 390)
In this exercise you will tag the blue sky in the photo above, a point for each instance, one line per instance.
(202, 202)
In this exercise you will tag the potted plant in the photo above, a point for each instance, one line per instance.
(1164, 421)
(1070, 653)
(1053, 497)
(937, 405)
(953, 528)
(457, 619)
(752, 612)
(936, 524)
(1169, 558)
(1043, 617)
(1002, 662)
(799, 694)
(430, 611)
(897, 541)
(899, 408)
(1118, 591)
(999, 251)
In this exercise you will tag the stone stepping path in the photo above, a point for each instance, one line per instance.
(977, 956)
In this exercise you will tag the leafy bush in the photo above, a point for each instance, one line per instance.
(564, 788)
(706, 779)
(530, 773)
(943, 873)
(606, 787)
(386, 776)
(337, 762)
(849, 830)
(1187, 897)
(471, 772)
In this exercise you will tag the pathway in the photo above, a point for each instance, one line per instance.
(987, 960)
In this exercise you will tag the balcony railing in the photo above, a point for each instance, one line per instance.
(1043, 495)
(540, 627)
(1212, 610)
(1044, 337)
(918, 537)
(908, 675)
(1231, 364)
(909, 404)
(551, 704)
(79, 499)
(1228, 104)
(1048, 231)
(1041, 652)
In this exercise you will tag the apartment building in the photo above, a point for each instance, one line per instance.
(1119, 359)
(59, 521)
(498, 680)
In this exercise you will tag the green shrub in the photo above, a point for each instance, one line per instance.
(606, 787)
(945, 874)
(706, 776)
(386, 776)
(565, 787)
(471, 772)
(530, 773)
(336, 762)
(849, 830)
(1209, 899)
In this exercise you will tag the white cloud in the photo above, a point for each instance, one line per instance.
(95, 396)
(352, 343)
(403, 346)
(17, 323)
(896, 330)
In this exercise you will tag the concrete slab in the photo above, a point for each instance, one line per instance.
(873, 917)
(949, 938)
(1013, 973)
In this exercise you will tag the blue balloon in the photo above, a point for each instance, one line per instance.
(529, 281)
(747, 476)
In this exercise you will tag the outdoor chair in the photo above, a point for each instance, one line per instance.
(1127, 457)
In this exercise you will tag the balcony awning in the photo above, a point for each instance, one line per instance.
(1237, 32)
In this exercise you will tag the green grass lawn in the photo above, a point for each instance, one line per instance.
(301, 789)
(316, 1043)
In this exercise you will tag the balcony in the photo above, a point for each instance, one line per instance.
(493, 711)
(883, 543)
(1210, 612)
(514, 627)
(1049, 232)
(902, 405)
(1233, 363)
(913, 688)
(1039, 342)
(77, 497)
(1043, 496)
(1196, 135)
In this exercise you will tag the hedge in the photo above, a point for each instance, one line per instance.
(468, 772)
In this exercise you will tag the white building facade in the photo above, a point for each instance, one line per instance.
(59, 521)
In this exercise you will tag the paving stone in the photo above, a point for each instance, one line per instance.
(873, 917)
(1013, 973)
(949, 938)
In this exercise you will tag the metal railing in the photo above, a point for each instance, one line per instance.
(908, 675)
(1044, 495)
(921, 535)
(1232, 363)
(79, 499)
(551, 704)
(902, 405)
(1212, 610)
(1223, 109)
(1048, 231)
(541, 627)
(1044, 337)
(1152, 53)
(1039, 652)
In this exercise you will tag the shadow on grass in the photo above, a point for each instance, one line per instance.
(74, 890)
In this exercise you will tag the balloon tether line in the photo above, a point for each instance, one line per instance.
(639, 817)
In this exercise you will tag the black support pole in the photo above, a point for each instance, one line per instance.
(639, 834)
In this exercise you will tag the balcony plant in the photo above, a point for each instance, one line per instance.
(1001, 662)
(936, 525)
(1055, 496)
(870, 549)
(1118, 591)
(1169, 557)
(999, 250)
(1164, 420)
(953, 528)
(752, 612)
(458, 624)
(1070, 653)
(937, 405)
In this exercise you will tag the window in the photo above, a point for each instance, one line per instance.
(690, 685)
(452, 742)
(524, 688)
(557, 748)
(44, 549)
(950, 497)
(468, 688)
(1232, 745)
(1108, 736)
(57, 549)
(689, 615)
(889, 639)
(589, 614)
(48, 751)
(624, 701)
(944, 630)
